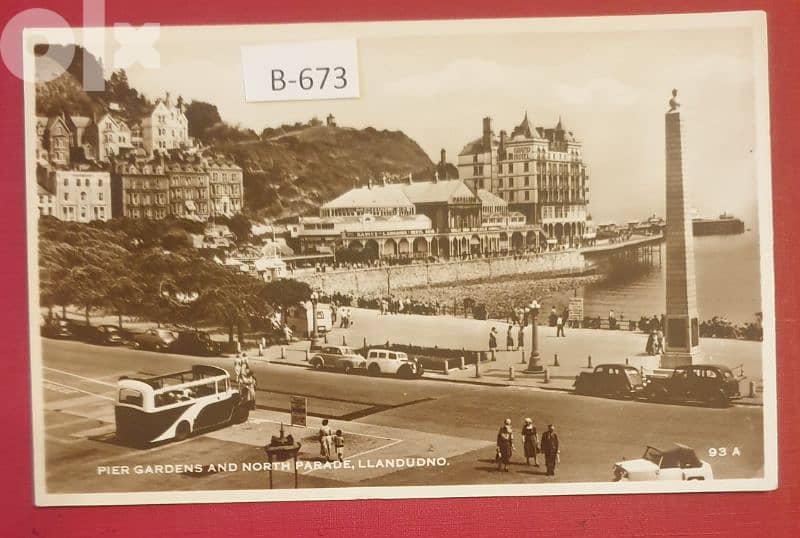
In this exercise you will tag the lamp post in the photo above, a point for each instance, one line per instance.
(314, 300)
(533, 360)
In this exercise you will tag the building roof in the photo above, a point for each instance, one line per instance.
(437, 191)
(490, 199)
(80, 121)
(392, 195)
(476, 146)
(524, 128)
(42, 191)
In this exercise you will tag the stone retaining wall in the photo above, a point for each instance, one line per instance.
(382, 280)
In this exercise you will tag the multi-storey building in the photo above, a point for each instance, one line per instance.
(538, 171)
(110, 136)
(46, 201)
(226, 187)
(53, 140)
(188, 190)
(165, 128)
(80, 194)
(140, 190)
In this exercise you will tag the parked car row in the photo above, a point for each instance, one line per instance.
(186, 342)
(709, 384)
(377, 362)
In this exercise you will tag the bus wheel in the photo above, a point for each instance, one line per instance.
(182, 431)
(374, 369)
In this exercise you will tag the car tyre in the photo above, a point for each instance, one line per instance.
(182, 431)
(719, 400)
(347, 369)
(374, 369)
(405, 372)
(316, 363)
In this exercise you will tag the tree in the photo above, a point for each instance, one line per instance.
(241, 227)
(201, 116)
(286, 292)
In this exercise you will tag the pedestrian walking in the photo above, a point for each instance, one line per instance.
(530, 442)
(509, 339)
(649, 346)
(521, 336)
(493, 339)
(338, 443)
(325, 441)
(549, 444)
(560, 326)
(505, 445)
(659, 341)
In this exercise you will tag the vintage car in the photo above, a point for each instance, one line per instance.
(57, 328)
(195, 343)
(679, 463)
(384, 361)
(104, 335)
(617, 380)
(155, 339)
(338, 358)
(705, 383)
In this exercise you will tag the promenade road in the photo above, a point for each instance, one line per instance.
(382, 418)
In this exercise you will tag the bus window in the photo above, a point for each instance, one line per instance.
(206, 389)
(130, 396)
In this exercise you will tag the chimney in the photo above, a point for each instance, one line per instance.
(487, 133)
(166, 99)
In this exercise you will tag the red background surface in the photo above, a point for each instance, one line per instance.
(731, 514)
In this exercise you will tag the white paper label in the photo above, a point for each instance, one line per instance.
(301, 71)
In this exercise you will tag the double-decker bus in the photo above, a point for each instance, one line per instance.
(174, 406)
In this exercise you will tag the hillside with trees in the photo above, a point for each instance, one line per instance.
(288, 170)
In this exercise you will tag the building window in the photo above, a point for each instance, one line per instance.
(500, 183)
(475, 158)
(66, 196)
(66, 182)
(527, 180)
(525, 167)
(510, 167)
(83, 212)
(100, 182)
(527, 195)
(511, 182)
(83, 197)
(100, 196)
(475, 171)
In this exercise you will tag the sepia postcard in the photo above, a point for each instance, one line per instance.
(400, 259)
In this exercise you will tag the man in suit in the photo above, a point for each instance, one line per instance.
(549, 445)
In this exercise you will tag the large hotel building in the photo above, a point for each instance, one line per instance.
(538, 172)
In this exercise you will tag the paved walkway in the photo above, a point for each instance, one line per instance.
(573, 351)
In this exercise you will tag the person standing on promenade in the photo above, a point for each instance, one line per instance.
(612, 319)
(521, 336)
(325, 441)
(493, 340)
(510, 339)
(560, 326)
(530, 441)
(659, 341)
(550, 448)
(505, 445)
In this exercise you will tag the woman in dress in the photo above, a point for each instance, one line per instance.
(505, 445)
(530, 442)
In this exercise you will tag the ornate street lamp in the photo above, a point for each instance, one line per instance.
(533, 360)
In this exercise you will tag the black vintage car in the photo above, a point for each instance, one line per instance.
(195, 343)
(710, 384)
(616, 380)
(57, 328)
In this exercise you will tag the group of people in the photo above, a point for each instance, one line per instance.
(655, 342)
(331, 445)
(531, 443)
(245, 379)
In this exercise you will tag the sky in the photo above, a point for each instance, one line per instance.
(436, 82)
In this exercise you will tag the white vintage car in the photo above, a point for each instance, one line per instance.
(384, 361)
(679, 463)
